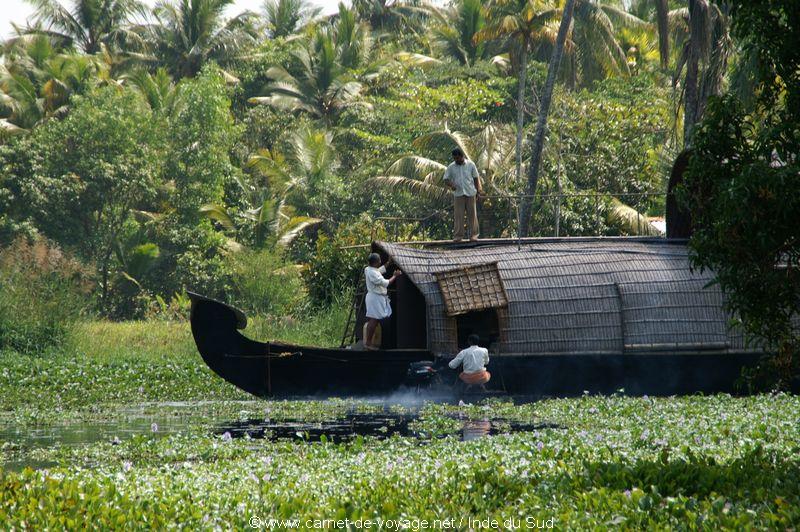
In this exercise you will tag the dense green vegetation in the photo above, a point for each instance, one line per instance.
(174, 149)
(743, 186)
(603, 471)
(178, 150)
(144, 153)
(697, 462)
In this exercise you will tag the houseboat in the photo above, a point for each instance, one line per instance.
(560, 317)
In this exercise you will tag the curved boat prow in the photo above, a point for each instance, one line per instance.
(276, 368)
(231, 355)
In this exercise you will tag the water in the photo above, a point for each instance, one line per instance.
(384, 425)
(159, 420)
(154, 419)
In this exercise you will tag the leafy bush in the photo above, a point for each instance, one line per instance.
(610, 139)
(79, 178)
(42, 293)
(336, 263)
(336, 267)
(742, 186)
(264, 283)
(202, 135)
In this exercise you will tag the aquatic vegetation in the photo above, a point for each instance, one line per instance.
(699, 462)
(634, 462)
(112, 365)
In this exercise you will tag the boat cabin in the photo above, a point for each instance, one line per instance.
(555, 296)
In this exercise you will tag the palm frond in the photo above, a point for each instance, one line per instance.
(629, 220)
(219, 214)
(417, 60)
(414, 166)
(10, 128)
(442, 143)
(295, 227)
(413, 186)
(622, 18)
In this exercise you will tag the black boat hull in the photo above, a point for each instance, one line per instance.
(279, 369)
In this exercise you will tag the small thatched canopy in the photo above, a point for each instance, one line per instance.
(568, 296)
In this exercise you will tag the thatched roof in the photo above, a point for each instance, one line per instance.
(581, 296)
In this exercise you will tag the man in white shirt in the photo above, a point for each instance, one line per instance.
(474, 360)
(463, 179)
(377, 299)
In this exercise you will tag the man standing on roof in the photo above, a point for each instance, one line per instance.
(463, 179)
(377, 299)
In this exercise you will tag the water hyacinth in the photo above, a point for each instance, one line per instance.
(740, 472)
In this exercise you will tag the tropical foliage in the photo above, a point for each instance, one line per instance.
(284, 17)
(325, 85)
(266, 133)
(742, 184)
(147, 150)
(87, 24)
(186, 34)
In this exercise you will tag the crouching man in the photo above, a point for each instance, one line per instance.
(377, 300)
(474, 360)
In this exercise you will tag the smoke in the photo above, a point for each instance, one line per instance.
(409, 397)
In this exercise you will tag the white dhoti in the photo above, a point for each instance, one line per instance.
(378, 306)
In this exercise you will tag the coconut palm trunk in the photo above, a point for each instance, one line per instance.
(523, 78)
(690, 105)
(541, 122)
(662, 10)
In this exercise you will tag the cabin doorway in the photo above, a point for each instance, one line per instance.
(407, 327)
(484, 323)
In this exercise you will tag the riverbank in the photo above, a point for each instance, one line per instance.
(104, 365)
(164, 456)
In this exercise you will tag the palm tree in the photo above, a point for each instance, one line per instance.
(277, 194)
(36, 82)
(265, 213)
(657, 10)
(528, 28)
(353, 39)
(396, 15)
(541, 123)
(662, 23)
(189, 33)
(284, 17)
(705, 48)
(158, 89)
(324, 86)
(456, 31)
(597, 52)
(88, 24)
(521, 24)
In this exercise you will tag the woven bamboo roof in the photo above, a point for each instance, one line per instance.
(471, 288)
(581, 296)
